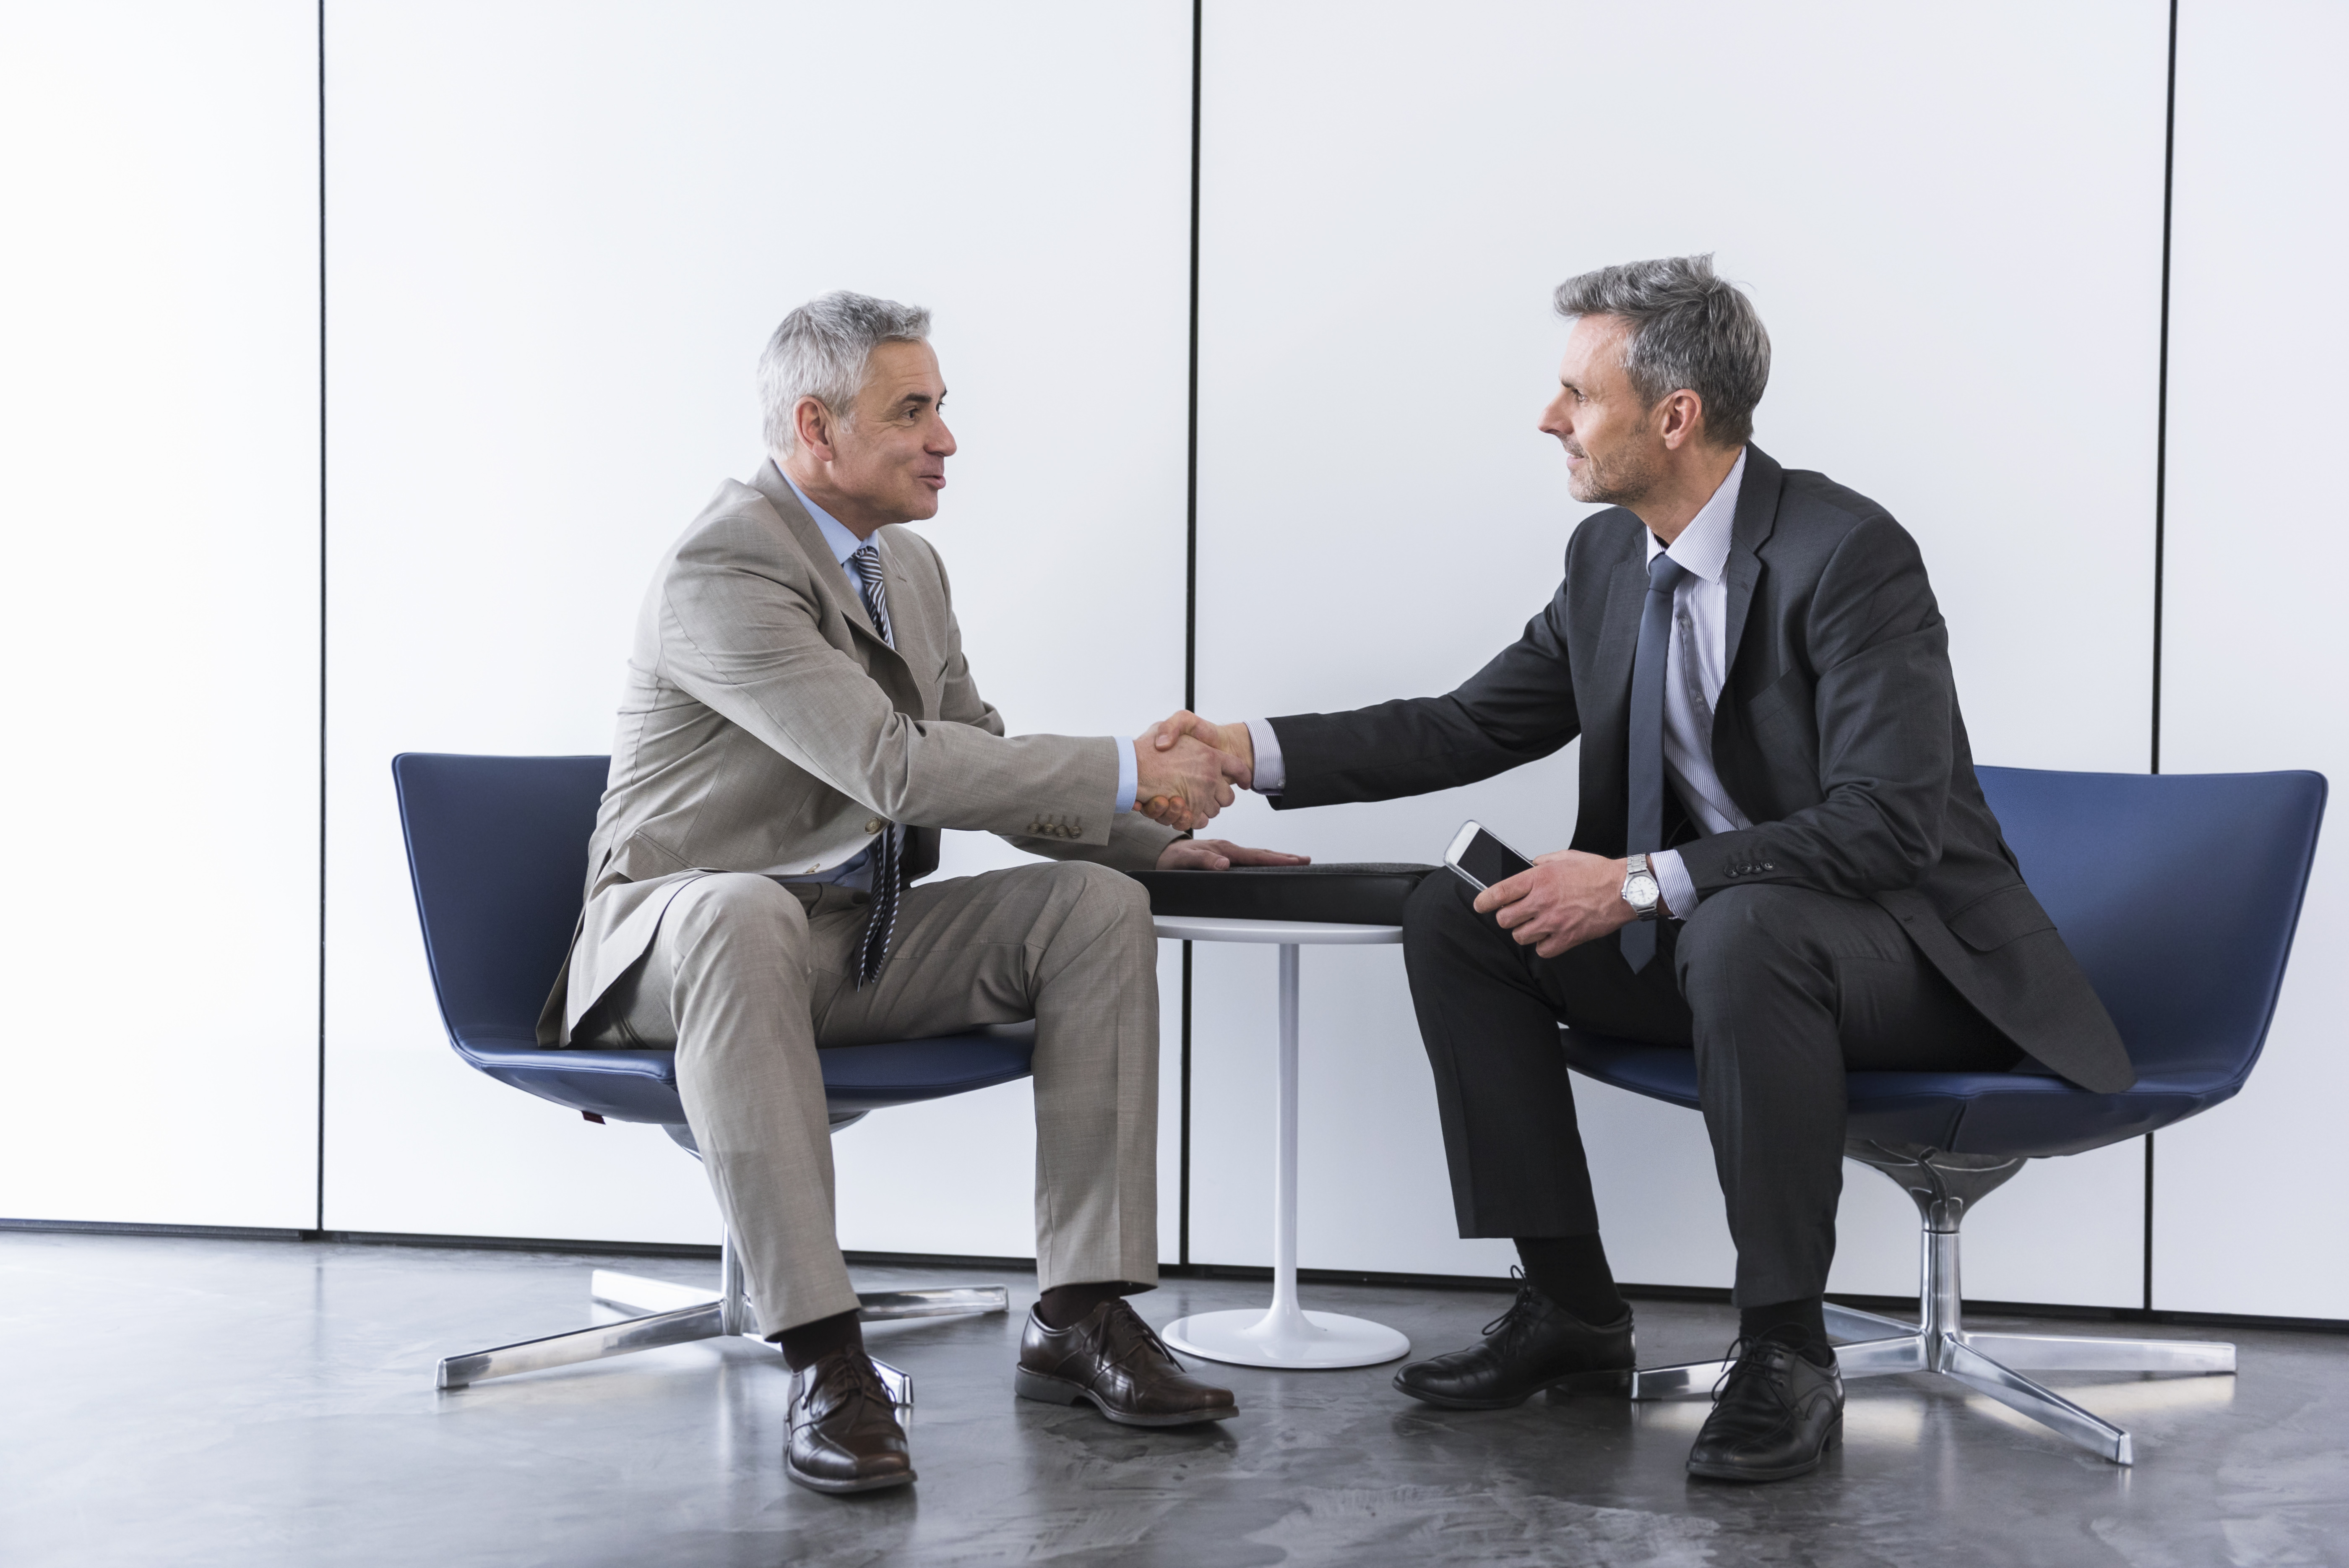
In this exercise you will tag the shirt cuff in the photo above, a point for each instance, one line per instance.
(1672, 878)
(1128, 773)
(1271, 772)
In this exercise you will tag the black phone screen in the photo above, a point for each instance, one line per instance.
(1488, 860)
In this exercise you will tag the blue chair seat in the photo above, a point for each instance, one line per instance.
(641, 1086)
(498, 848)
(2018, 1114)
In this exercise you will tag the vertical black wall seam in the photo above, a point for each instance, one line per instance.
(2161, 502)
(1190, 613)
(319, 1196)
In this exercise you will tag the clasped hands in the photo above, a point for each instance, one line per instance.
(1568, 899)
(1186, 770)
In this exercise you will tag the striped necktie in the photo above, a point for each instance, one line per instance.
(888, 865)
(1644, 826)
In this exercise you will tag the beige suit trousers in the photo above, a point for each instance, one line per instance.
(748, 978)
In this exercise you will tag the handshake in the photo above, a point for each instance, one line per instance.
(1186, 768)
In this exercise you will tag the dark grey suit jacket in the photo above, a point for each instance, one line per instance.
(1838, 735)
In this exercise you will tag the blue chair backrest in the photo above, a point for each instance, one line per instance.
(2178, 892)
(498, 850)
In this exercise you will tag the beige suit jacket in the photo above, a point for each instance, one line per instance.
(767, 727)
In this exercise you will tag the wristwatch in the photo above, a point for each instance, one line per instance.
(1639, 889)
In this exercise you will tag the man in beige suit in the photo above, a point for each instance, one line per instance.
(798, 725)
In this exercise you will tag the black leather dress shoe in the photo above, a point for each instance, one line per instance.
(1114, 1361)
(845, 1431)
(1777, 1413)
(1535, 1344)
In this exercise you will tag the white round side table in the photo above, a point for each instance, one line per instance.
(1284, 1335)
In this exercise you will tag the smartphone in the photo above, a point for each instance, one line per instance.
(1481, 859)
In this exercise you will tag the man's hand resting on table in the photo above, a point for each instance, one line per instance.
(1221, 855)
(1567, 899)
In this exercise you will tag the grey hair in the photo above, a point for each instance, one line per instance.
(1688, 328)
(820, 351)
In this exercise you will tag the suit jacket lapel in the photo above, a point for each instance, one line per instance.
(1757, 514)
(1619, 642)
(914, 615)
(831, 584)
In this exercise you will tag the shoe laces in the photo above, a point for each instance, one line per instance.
(1747, 1353)
(1125, 1334)
(1520, 1313)
(862, 1382)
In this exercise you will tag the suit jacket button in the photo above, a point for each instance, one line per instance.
(874, 826)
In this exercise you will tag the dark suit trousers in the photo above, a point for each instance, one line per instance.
(1778, 991)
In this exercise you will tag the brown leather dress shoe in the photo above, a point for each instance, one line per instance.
(845, 1431)
(1113, 1360)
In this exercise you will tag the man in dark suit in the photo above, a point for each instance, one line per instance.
(1782, 859)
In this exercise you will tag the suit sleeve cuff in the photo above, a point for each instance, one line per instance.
(1129, 772)
(1672, 878)
(1271, 772)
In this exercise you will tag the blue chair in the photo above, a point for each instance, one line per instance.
(2178, 894)
(497, 849)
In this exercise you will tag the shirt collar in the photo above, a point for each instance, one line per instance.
(1702, 548)
(835, 533)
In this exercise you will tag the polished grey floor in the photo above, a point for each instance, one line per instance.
(197, 1402)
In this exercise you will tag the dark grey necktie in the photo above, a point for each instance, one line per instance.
(889, 867)
(1644, 828)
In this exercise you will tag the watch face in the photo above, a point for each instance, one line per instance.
(1642, 889)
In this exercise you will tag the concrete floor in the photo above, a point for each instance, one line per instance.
(197, 1402)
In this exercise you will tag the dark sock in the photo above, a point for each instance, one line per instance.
(1572, 1272)
(1803, 1324)
(810, 1343)
(1065, 1306)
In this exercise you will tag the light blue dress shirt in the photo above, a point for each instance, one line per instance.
(857, 871)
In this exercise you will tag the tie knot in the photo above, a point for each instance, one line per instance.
(1664, 574)
(867, 561)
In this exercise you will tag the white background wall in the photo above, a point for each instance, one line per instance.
(159, 538)
(559, 233)
(2255, 662)
(1388, 207)
(558, 238)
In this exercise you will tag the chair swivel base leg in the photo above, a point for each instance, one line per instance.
(680, 1327)
(1939, 1341)
(633, 1293)
(1954, 1355)
(680, 1314)
(683, 1327)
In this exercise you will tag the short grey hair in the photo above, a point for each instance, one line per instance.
(820, 351)
(1688, 328)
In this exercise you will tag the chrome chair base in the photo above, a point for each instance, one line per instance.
(680, 1314)
(1944, 1187)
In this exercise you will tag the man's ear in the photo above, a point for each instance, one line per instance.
(1683, 418)
(812, 422)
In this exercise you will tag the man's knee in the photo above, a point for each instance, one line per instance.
(1440, 910)
(1102, 901)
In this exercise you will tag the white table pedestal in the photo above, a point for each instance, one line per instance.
(1284, 1335)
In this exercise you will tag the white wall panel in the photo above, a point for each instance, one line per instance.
(2255, 662)
(559, 235)
(159, 536)
(1386, 207)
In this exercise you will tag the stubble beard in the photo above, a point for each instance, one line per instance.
(1621, 480)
